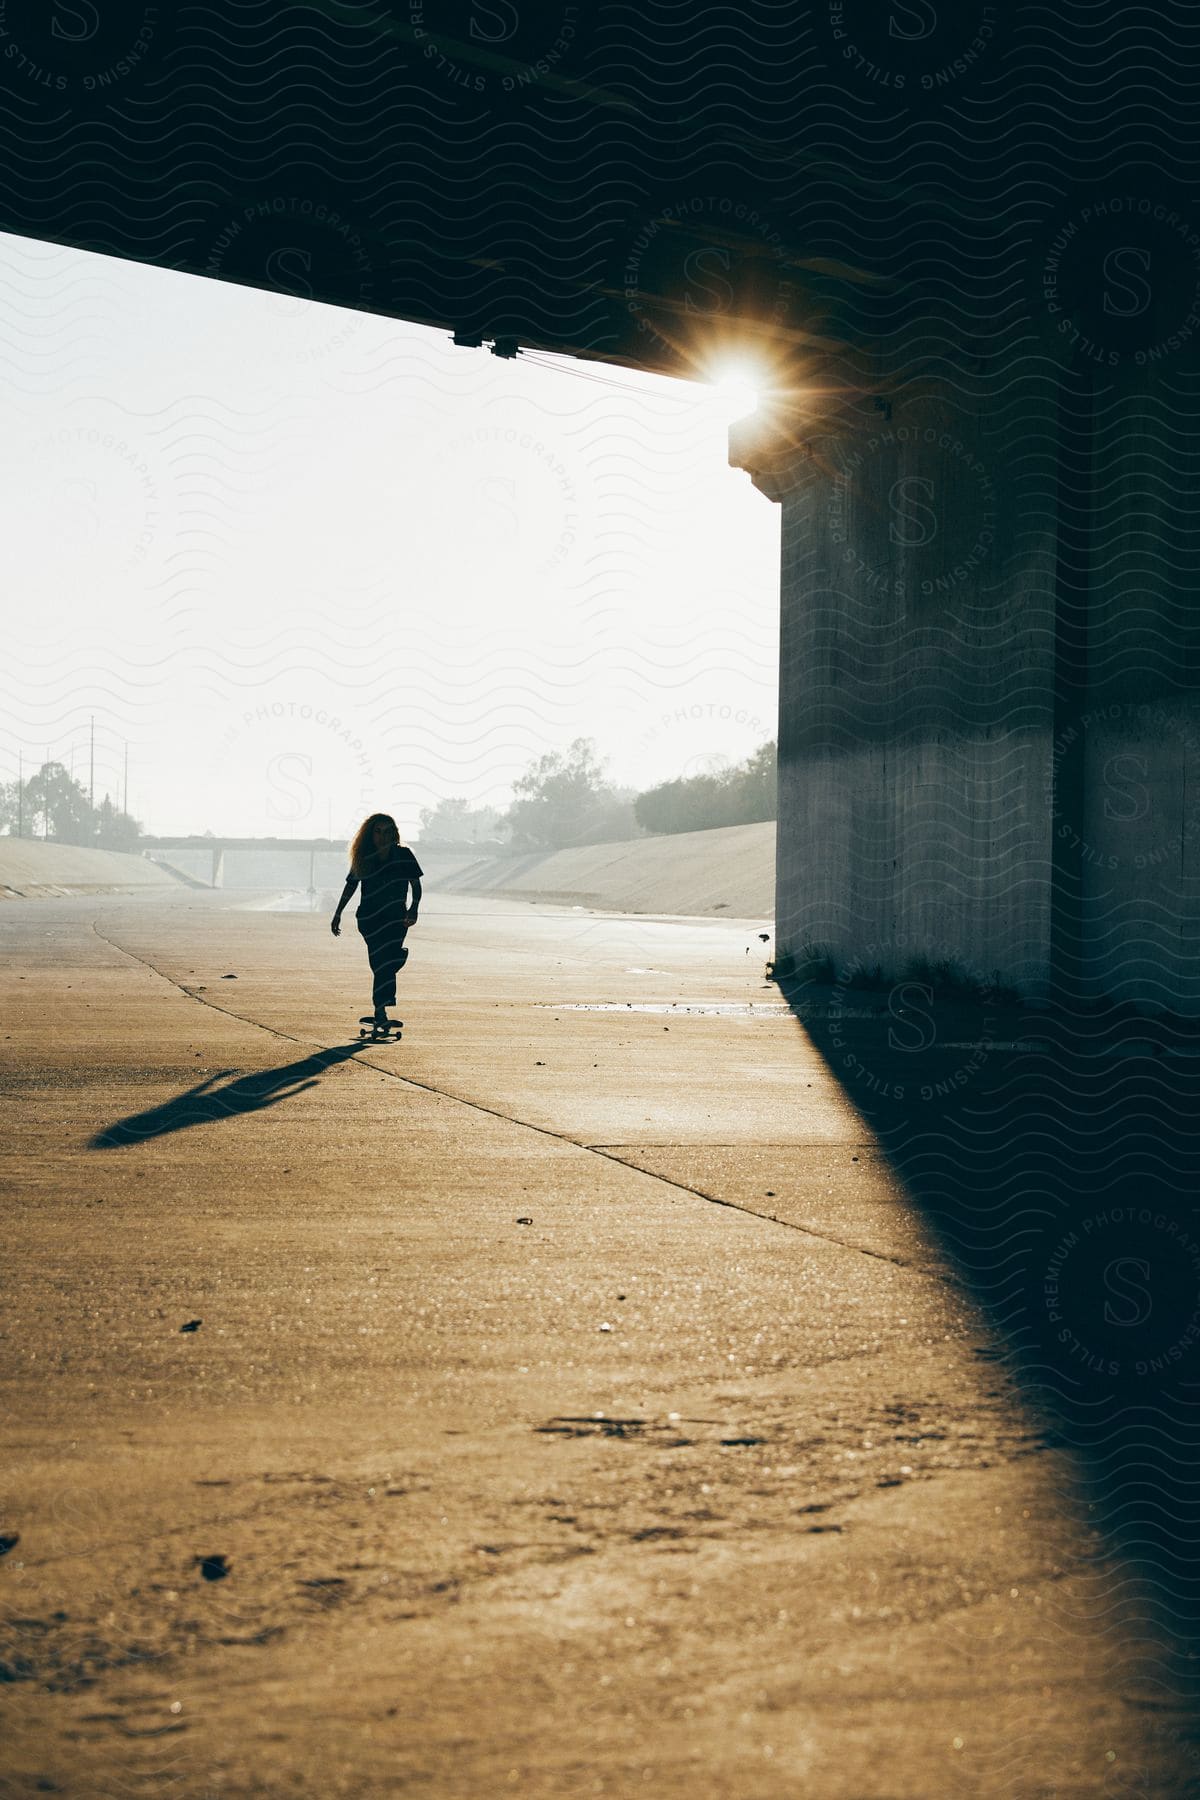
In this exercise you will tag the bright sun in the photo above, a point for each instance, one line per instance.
(738, 388)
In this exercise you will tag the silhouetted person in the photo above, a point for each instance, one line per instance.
(387, 870)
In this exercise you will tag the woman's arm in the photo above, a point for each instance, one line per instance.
(335, 924)
(415, 901)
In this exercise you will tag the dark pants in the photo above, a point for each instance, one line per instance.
(387, 954)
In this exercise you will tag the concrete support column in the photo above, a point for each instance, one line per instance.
(1127, 738)
(917, 682)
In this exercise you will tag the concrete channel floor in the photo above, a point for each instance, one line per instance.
(576, 1406)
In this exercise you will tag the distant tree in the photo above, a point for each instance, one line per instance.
(759, 784)
(454, 822)
(56, 806)
(685, 805)
(114, 829)
(563, 799)
(614, 820)
(739, 796)
(51, 804)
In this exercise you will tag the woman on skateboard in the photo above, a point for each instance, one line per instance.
(387, 870)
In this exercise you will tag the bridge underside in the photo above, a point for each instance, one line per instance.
(963, 255)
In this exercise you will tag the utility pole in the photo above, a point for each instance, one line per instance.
(125, 790)
(46, 812)
(92, 765)
(20, 795)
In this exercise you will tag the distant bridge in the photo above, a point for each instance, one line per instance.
(217, 846)
(207, 842)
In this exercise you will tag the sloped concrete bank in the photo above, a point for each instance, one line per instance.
(731, 870)
(30, 870)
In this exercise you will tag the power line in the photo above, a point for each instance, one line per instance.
(568, 365)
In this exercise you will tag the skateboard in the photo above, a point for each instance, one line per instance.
(381, 1032)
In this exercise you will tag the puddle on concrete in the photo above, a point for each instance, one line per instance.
(751, 1009)
(295, 901)
(725, 1008)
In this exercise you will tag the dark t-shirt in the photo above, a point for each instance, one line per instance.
(383, 904)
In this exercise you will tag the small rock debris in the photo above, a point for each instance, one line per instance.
(9, 1541)
(524, 1219)
(213, 1568)
(192, 1325)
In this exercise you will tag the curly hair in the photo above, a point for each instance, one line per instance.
(362, 850)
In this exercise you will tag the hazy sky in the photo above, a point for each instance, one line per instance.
(309, 562)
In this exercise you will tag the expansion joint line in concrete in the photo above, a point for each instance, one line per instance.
(492, 1112)
(685, 1187)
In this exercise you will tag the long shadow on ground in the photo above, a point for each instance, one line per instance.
(205, 1103)
(1057, 1160)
